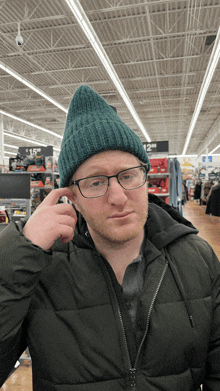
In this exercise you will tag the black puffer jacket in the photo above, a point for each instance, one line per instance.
(66, 304)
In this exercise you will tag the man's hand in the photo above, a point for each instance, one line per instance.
(51, 221)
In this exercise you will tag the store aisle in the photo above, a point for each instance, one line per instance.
(209, 229)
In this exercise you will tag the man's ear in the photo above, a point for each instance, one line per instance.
(73, 198)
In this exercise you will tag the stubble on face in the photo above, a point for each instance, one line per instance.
(117, 232)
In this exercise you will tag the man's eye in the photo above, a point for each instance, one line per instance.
(127, 177)
(95, 184)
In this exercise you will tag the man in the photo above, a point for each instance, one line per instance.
(113, 293)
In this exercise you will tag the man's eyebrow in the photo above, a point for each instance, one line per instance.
(102, 171)
(95, 172)
(98, 171)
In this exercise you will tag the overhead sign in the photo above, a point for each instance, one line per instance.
(37, 151)
(156, 146)
(209, 158)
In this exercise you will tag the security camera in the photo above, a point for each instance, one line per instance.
(19, 40)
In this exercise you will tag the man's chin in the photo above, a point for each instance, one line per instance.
(118, 233)
(121, 236)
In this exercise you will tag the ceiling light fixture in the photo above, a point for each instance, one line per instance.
(218, 146)
(87, 28)
(213, 61)
(10, 153)
(28, 140)
(31, 86)
(173, 156)
(30, 124)
(10, 146)
(24, 139)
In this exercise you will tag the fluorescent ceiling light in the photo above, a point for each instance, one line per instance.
(90, 33)
(24, 139)
(10, 153)
(213, 61)
(31, 86)
(28, 140)
(10, 146)
(172, 156)
(31, 124)
(218, 146)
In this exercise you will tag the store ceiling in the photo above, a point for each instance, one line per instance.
(160, 50)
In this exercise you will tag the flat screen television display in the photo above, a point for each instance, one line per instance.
(14, 185)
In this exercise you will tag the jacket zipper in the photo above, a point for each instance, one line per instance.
(149, 313)
(133, 370)
(121, 321)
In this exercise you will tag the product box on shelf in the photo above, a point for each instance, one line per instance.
(158, 190)
(158, 185)
(37, 184)
(49, 163)
(3, 215)
(35, 168)
(153, 190)
(164, 190)
(158, 166)
(43, 179)
(153, 170)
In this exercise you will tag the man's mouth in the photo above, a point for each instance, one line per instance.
(120, 215)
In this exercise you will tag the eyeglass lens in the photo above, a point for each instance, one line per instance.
(98, 186)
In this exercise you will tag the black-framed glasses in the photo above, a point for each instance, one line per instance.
(97, 186)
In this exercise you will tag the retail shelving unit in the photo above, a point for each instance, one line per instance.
(13, 205)
(40, 188)
(15, 195)
(158, 178)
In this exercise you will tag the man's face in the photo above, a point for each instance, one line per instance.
(120, 214)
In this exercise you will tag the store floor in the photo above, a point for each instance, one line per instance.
(209, 229)
(208, 226)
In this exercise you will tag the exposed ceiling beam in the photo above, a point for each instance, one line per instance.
(213, 62)
(143, 4)
(91, 35)
(118, 42)
(31, 86)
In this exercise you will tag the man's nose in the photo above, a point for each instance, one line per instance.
(116, 194)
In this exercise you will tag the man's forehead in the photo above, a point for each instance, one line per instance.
(107, 160)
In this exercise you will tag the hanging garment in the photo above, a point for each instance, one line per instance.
(213, 206)
(197, 191)
(172, 183)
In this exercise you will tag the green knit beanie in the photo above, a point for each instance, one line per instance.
(93, 126)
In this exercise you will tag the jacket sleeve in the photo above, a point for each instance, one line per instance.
(212, 378)
(20, 265)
